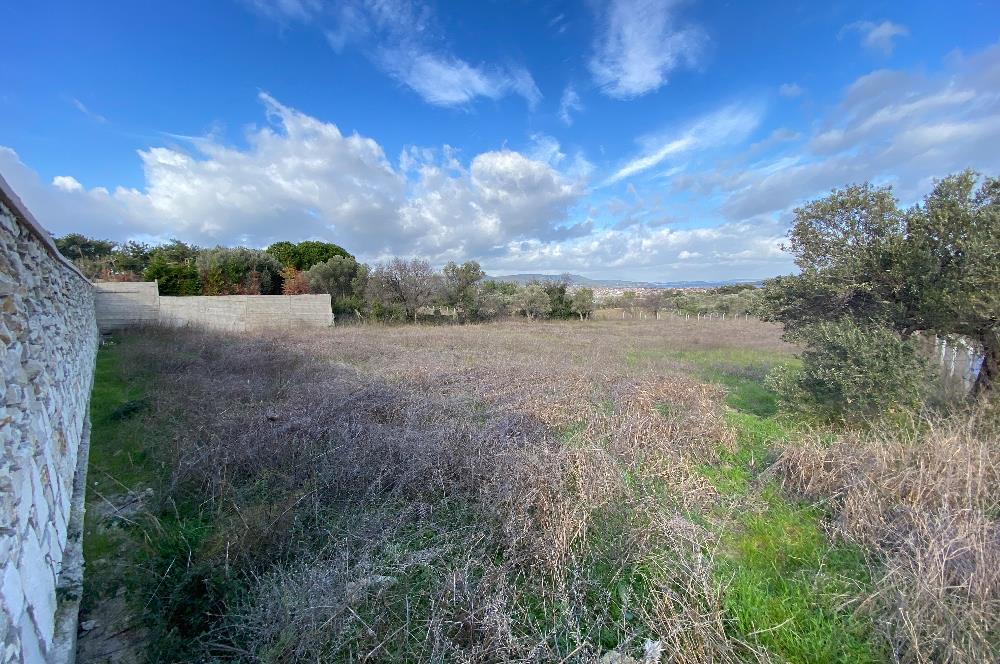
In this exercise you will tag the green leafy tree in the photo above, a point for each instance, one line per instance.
(131, 257)
(952, 266)
(285, 253)
(459, 287)
(75, 245)
(173, 278)
(534, 301)
(175, 252)
(583, 302)
(228, 270)
(933, 268)
(304, 255)
(560, 302)
(338, 276)
(496, 299)
(853, 372)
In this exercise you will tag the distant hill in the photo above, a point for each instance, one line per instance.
(580, 280)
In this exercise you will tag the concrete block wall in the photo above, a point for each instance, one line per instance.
(247, 313)
(122, 304)
(48, 344)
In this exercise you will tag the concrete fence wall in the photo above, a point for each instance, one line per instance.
(121, 304)
(124, 304)
(48, 344)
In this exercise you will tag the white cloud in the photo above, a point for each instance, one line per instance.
(80, 106)
(735, 250)
(877, 36)
(790, 90)
(891, 127)
(569, 104)
(302, 178)
(401, 38)
(66, 183)
(639, 44)
(731, 124)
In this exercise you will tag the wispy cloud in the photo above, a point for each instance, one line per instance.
(876, 36)
(639, 43)
(80, 106)
(569, 104)
(731, 124)
(790, 90)
(402, 39)
(283, 10)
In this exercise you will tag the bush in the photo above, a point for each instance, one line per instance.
(849, 371)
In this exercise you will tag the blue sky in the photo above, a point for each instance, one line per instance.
(636, 138)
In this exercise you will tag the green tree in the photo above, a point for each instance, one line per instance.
(560, 303)
(333, 276)
(495, 299)
(228, 270)
(304, 255)
(338, 276)
(583, 302)
(933, 268)
(130, 257)
(173, 278)
(534, 301)
(852, 371)
(75, 246)
(952, 266)
(285, 253)
(175, 252)
(459, 287)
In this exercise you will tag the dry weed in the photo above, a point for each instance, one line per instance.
(927, 502)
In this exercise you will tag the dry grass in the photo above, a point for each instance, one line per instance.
(928, 503)
(528, 492)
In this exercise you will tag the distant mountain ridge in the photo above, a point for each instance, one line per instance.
(580, 280)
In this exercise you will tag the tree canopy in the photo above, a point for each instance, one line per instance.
(304, 255)
(934, 267)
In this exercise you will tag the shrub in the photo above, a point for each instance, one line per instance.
(293, 282)
(849, 371)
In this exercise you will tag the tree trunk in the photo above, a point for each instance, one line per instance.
(989, 373)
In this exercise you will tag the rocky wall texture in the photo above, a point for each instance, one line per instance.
(48, 343)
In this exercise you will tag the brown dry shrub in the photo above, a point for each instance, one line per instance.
(925, 500)
(325, 479)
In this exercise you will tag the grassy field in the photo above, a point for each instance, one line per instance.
(610, 491)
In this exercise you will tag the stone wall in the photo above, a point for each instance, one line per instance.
(123, 304)
(48, 343)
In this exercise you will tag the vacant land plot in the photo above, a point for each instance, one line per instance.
(577, 491)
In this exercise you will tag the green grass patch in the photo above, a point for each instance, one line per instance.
(789, 591)
(117, 464)
(118, 460)
(736, 468)
(740, 370)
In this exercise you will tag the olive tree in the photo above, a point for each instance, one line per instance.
(459, 288)
(952, 266)
(932, 268)
(534, 301)
(583, 302)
